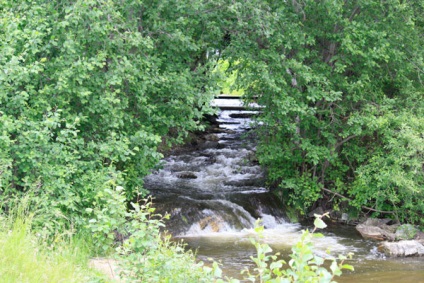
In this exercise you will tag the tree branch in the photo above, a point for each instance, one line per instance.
(344, 141)
(364, 207)
(355, 12)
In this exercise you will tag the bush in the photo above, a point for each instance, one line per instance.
(87, 95)
(147, 256)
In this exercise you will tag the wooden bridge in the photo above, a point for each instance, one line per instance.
(230, 102)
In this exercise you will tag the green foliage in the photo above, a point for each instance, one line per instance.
(393, 177)
(342, 89)
(146, 256)
(107, 217)
(303, 191)
(406, 232)
(89, 90)
(228, 78)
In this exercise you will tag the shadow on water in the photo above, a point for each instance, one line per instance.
(215, 193)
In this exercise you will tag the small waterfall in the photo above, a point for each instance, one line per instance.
(218, 187)
(221, 216)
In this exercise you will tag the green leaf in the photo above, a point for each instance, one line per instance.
(348, 267)
(319, 223)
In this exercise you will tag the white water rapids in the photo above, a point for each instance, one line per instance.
(215, 192)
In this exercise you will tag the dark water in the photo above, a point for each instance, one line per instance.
(214, 193)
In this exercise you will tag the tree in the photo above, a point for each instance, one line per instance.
(89, 91)
(341, 86)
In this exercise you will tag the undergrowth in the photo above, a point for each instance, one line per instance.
(26, 257)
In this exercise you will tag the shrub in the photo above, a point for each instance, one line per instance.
(146, 256)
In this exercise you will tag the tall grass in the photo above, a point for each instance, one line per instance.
(24, 257)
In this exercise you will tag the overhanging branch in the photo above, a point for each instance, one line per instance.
(364, 207)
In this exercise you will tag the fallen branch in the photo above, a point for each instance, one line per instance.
(364, 207)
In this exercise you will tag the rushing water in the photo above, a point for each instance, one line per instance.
(214, 193)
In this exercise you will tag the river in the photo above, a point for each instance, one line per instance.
(215, 191)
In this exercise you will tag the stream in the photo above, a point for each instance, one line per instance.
(215, 191)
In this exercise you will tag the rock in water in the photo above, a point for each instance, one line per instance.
(186, 175)
(406, 232)
(212, 137)
(402, 248)
(376, 229)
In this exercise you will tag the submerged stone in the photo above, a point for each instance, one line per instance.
(186, 175)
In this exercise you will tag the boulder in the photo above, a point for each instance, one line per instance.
(211, 223)
(402, 248)
(319, 211)
(377, 229)
(406, 232)
(211, 137)
(420, 236)
(212, 119)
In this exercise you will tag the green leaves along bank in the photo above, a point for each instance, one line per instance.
(88, 92)
(341, 82)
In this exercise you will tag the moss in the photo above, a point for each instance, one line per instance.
(406, 232)
(292, 215)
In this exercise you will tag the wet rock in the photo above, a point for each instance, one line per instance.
(212, 119)
(319, 211)
(244, 183)
(377, 229)
(336, 215)
(420, 236)
(406, 232)
(211, 137)
(211, 223)
(375, 233)
(208, 144)
(186, 175)
(402, 248)
(253, 159)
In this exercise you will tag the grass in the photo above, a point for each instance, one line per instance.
(24, 258)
